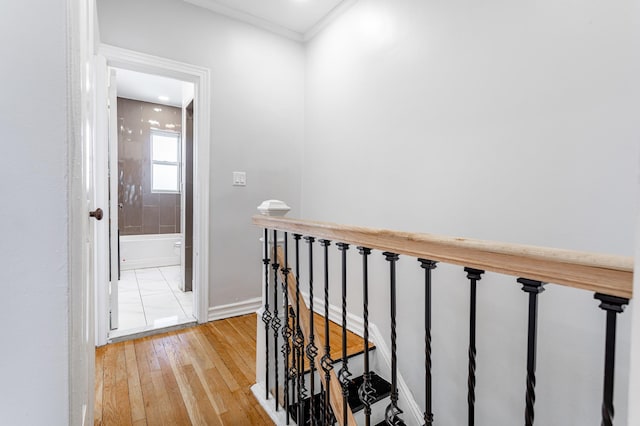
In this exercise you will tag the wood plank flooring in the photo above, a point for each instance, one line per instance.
(195, 376)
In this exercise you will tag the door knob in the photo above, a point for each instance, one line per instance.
(97, 213)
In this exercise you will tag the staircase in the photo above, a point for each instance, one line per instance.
(355, 353)
(326, 383)
(382, 389)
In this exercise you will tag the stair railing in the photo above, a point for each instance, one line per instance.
(608, 276)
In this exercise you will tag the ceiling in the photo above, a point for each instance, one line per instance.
(148, 88)
(297, 19)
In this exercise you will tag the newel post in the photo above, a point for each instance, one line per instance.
(268, 316)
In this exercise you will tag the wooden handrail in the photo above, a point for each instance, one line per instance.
(305, 326)
(600, 273)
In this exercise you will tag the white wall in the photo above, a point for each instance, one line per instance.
(256, 124)
(34, 214)
(634, 370)
(513, 121)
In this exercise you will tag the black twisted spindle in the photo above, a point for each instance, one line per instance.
(474, 275)
(275, 321)
(428, 266)
(312, 350)
(344, 374)
(392, 413)
(613, 305)
(286, 330)
(366, 392)
(299, 338)
(266, 315)
(293, 370)
(534, 288)
(326, 361)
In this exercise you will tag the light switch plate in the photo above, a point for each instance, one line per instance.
(239, 179)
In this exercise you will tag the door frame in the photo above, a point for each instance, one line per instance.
(82, 230)
(200, 77)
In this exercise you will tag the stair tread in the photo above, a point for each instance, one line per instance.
(381, 386)
(355, 344)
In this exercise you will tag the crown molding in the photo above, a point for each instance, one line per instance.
(267, 25)
(248, 18)
(327, 19)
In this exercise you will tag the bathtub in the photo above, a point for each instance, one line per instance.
(148, 251)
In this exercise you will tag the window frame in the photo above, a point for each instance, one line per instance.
(178, 163)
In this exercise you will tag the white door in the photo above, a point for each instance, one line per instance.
(114, 262)
(100, 179)
(105, 178)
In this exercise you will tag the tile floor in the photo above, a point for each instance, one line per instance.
(151, 298)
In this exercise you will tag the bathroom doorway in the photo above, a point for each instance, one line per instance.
(108, 62)
(151, 203)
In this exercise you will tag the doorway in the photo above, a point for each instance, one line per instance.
(151, 157)
(158, 244)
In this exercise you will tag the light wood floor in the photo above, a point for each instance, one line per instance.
(195, 376)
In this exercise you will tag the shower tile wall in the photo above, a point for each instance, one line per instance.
(143, 212)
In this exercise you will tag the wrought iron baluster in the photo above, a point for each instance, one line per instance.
(286, 330)
(534, 288)
(612, 305)
(344, 374)
(312, 350)
(275, 321)
(366, 393)
(428, 266)
(293, 370)
(266, 315)
(299, 338)
(326, 361)
(392, 413)
(474, 275)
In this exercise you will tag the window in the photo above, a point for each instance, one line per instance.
(165, 161)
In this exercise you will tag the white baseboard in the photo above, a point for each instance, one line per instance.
(243, 307)
(355, 324)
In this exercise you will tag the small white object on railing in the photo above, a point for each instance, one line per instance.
(273, 208)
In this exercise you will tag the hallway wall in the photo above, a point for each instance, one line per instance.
(512, 121)
(256, 124)
(34, 214)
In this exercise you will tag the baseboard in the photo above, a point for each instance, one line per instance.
(355, 324)
(243, 307)
(406, 397)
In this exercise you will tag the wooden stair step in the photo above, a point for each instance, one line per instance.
(355, 344)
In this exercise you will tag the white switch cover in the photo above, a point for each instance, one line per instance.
(239, 179)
